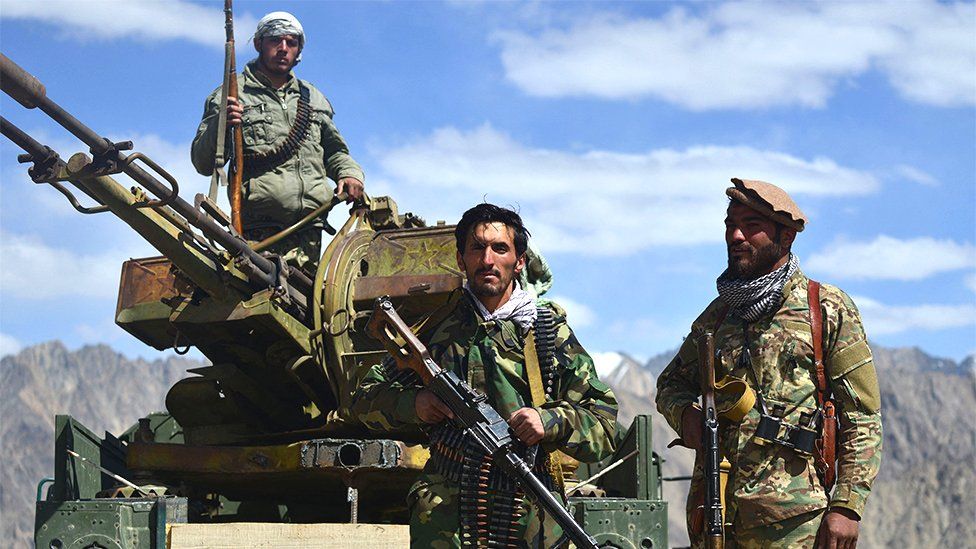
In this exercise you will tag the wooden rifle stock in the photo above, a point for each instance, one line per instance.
(386, 326)
(237, 170)
(713, 533)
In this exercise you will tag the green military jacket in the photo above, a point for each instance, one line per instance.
(770, 483)
(283, 195)
(579, 419)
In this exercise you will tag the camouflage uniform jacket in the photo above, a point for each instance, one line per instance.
(283, 195)
(771, 483)
(580, 420)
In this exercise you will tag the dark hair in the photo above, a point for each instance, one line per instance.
(490, 213)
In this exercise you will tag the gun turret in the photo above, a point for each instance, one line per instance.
(287, 351)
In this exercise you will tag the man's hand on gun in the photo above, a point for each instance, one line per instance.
(235, 112)
(526, 423)
(350, 185)
(431, 409)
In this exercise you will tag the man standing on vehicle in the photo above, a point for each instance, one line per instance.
(482, 337)
(290, 143)
(778, 493)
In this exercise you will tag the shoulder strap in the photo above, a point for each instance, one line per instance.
(533, 370)
(816, 331)
(722, 313)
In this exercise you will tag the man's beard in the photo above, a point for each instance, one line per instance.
(759, 262)
(270, 66)
(485, 289)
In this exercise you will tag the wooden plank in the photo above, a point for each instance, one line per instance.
(245, 535)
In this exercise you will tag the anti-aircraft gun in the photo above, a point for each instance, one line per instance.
(264, 434)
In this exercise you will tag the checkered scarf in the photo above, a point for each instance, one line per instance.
(756, 298)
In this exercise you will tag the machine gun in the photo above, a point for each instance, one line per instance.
(471, 412)
(168, 234)
(714, 537)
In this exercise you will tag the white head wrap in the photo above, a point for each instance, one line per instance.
(280, 23)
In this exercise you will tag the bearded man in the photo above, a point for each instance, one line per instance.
(291, 144)
(766, 327)
(483, 340)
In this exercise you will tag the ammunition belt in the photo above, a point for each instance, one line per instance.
(489, 499)
(545, 345)
(255, 163)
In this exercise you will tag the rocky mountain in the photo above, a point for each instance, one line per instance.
(923, 497)
(96, 385)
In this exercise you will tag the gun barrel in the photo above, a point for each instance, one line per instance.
(28, 91)
(537, 491)
(20, 84)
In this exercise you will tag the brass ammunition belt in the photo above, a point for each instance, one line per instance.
(545, 345)
(262, 162)
(489, 499)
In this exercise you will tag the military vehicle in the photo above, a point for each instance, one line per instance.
(259, 448)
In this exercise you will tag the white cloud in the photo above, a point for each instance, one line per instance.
(599, 202)
(887, 258)
(970, 281)
(30, 269)
(751, 54)
(880, 319)
(606, 363)
(9, 345)
(916, 175)
(578, 315)
(143, 21)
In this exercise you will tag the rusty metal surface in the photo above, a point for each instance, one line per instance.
(350, 453)
(147, 280)
(368, 288)
(320, 468)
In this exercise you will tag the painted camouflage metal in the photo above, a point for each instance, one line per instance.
(580, 421)
(771, 483)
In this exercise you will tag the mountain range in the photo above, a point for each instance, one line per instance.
(923, 496)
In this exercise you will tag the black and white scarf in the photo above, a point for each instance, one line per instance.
(752, 299)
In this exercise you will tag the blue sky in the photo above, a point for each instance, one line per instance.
(614, 127)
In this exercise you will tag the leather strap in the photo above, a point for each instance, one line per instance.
(722, 313)
(816, 331)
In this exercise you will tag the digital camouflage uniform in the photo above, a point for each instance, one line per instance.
(774, 497)
(277, 198)
(580, 420)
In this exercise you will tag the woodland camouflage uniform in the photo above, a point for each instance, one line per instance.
(774, 497)
(279, 197)
(579, 419)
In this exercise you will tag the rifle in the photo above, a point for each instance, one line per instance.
(714, 537)
(229, 89)
(471, 412)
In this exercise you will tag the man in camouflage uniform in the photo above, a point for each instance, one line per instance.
(483, 341)
(774, 496)
(280, 189)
